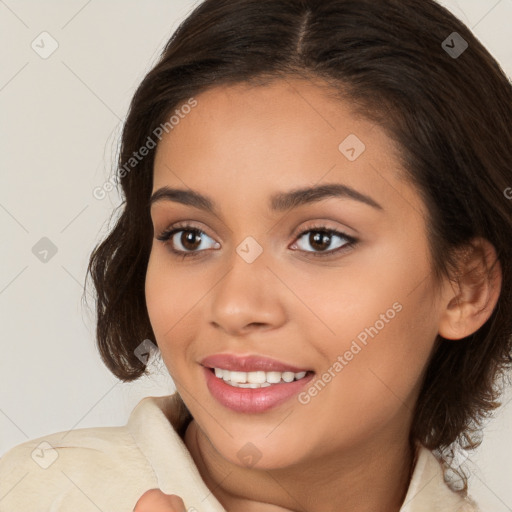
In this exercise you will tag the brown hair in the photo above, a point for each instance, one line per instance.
(449, 115)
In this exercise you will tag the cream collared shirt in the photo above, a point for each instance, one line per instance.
(107, 469)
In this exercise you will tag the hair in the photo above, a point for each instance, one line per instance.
(448, 115)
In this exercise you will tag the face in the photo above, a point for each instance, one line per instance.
(338, 285)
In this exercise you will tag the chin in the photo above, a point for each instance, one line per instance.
(259, 452)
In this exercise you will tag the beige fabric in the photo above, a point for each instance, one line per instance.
(109, 468)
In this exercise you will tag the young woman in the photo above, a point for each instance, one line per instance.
(316, 234)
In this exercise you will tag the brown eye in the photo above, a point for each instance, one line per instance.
(190, 239)
(188, 243)
(320, 240)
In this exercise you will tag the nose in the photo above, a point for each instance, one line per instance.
(248, 296)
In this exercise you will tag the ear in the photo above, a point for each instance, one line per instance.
(470, 304)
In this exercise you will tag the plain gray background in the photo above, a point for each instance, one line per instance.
(60, 123)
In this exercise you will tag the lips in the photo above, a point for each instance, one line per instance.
(251, 363)
(253, 401)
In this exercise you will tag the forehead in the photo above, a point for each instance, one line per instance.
(255, 140)
(243, 115)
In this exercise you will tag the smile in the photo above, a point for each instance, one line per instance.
(258, 379)
(269, 390)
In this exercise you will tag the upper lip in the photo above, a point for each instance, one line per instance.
(251, 363)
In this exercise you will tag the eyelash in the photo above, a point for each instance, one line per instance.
(166, 235)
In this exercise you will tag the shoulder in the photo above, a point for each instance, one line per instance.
(86, 469)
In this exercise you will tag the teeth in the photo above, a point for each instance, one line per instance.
(240, 377)
(288, 376)
(257, 379)
(254, 377)
(273, 377)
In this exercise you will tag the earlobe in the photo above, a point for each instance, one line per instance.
(469, 305)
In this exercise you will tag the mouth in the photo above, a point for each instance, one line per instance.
(249, 364)
(257, 379)
(252, 384)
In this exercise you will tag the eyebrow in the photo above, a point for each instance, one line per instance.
(279, 202)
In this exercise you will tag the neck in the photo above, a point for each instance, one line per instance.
(369, 477)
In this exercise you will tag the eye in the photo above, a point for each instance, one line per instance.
(189, 242)
(320, 238)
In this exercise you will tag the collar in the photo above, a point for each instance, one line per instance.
(429, 491)
(156, 418)
(154, 425)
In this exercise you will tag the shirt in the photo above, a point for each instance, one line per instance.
(109, 468)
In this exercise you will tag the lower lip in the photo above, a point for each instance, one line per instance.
(250, 400)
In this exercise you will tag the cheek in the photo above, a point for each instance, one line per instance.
(169, 291)
(172, 298)
(375, 328)
(165, 300)
(368, 393)
(375, 366)
(158, 302)
(393, 357)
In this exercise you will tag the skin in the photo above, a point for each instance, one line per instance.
(155, 500)
(347, 449)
